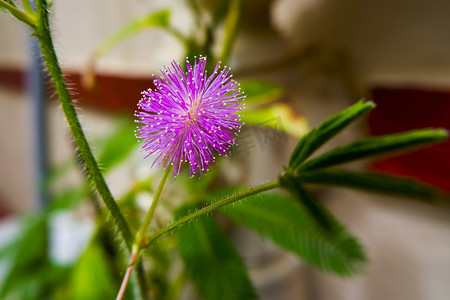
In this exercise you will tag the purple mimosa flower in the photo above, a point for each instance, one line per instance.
(190, 117)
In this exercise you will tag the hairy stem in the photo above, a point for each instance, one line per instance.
(93, 171)
(149, 239)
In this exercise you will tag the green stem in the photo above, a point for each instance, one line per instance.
(195, 8)
(144, 227)
(48, 51)
(20, 15)
(149, 239)
(231, 28)
(136, 250)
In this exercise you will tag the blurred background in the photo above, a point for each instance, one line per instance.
(323, 54)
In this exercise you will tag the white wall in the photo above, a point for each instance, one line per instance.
(400, 42)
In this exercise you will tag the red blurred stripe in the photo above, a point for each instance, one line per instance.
(405, 109)
(113, 93)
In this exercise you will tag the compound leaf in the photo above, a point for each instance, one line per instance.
(372, 182)
(375, 146)
(289, 225)
(211, 261)
(329, 128)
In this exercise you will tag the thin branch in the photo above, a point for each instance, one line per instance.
(233, 21)
(227, 201)
(144, 227)
(20, 15)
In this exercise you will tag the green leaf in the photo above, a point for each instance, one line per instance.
(200, 186)
(376, 146)
(372, 182)
(91, 278)
(211, 261)
(329, 128)
(69, 198)
(157, 19)
(115, 148)
(289, 225)
(27, 6)
(259, 91)
(27, 258)
(277, 116)
(316, 211)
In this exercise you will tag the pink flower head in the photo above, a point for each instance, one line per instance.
(190, 116)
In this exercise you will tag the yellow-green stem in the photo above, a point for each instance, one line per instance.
(145, 225)
(27, 6)
(227, 201)
(232, 23)
(27, 18)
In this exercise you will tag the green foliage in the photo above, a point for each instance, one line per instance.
(211, 261)
(290, 226)
(260, 91)
(27, 6)
(375, 146)
(155, 19)
(199, 188)
(371, 182)
(261, 110)
(29, 273)
(92, 277)
(116, 148)
(329, 128)
(158, 19)
(316, 211)
(159, 274)
(313, 171)
(278, 116)
(28, 249)
(69, 198)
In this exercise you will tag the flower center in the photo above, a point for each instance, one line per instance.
(191, 116)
